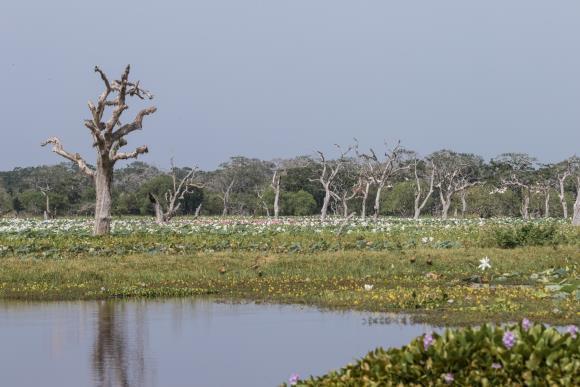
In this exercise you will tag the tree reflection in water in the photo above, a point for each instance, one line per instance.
(118, 353)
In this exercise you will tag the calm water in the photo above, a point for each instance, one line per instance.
(185, 342)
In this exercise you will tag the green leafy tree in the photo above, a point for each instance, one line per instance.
(299, 203)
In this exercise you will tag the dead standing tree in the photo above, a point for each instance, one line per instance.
(108, 138)
(384, 170)
(347, 185)
(275, 184)
(279, 169)
(367, 172)
(517, 171)
(420, 204)
(44, 190)
(173, 197)
(454, 172)
(575, 171)
(563, 172)
(260, 193)
(327, 176)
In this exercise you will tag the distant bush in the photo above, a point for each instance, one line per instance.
(522, 354)
(299, 203)
(528, 234)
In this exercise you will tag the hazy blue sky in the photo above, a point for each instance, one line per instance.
(279, 78)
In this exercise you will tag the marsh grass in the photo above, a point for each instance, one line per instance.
(442, 293)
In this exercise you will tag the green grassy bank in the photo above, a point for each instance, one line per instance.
(538, 282)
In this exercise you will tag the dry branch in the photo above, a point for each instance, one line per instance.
(75, 157)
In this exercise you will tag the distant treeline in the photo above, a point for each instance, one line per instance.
(246, 186)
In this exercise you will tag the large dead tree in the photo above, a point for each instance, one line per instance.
(275, 184)
(348, 185)
(575, 171)
(279, 170)
(225, 193)
(367, 173)
(167, 208)
(328, 173)
(546, 180)
(563, 172)
(517, 172)
(421, 199)
(108, 138)
(384, 170)
(454, 172)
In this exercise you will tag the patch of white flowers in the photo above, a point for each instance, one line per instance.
(261, 225)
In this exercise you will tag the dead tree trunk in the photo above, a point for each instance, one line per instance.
(576, 216)
(260, 195)
(419, 205)
(345, 197)
(327, 176)
(103, 185)
(381, 171)
(525, 209)
(446, 194)
(197, 211)
(463, 196)
(226, 197)
(445, 203)
(561, 193)
(157, 208)
(276, 187)
(44, 190)
(547, 204)
(108, 137)
(174, 196)
(365, 195)
(325, 202)
(377, 205)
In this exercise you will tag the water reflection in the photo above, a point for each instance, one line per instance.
(118, 357)
(184, 342)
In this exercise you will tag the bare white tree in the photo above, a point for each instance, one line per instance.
(517, 171)
(108, 138)
(420, 200)
(384, 170)
(575, 171)
(225, 193)
(329, 170)
(454, 172)
(166, 209)
(367, 173)
(44, 190)
(344, 190)
(260, 191)
(563, 172)
(275, 184)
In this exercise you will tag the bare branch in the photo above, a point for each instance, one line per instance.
(131, 155)
(121, 88)
(75, 157)
(135, 125)
(104, 78)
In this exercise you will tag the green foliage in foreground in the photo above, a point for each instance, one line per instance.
(469, 357)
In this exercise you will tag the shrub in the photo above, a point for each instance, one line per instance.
(521, 354)
(528, 234)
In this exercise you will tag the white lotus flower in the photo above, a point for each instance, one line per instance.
(368, 287)
(484, 264)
